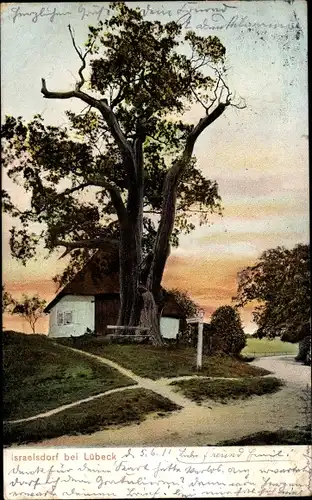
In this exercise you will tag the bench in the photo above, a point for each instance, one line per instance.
(135, 337)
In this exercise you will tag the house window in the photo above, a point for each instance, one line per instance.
(64, 318)
(59, 318)
(68, 318)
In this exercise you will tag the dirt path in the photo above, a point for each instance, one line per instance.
(160, 386)
(210, 423)
(286, 368)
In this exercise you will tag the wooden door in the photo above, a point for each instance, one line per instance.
(106, 313)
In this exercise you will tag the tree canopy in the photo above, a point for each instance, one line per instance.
(6, 299)
(189, 309)
(123, 168)
(187, 304)
(280, 282)
(29, 308)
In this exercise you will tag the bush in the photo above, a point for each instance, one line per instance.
(304, 353)
(225, 334)
(290, 437)
(202, 389)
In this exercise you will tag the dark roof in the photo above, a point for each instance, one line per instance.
(172, 308)
(100, 276)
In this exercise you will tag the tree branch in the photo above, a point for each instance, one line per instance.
(81, 57)
(168, 209)
(186, 210)
(105, 110)
(72, 190)
(111, 188)
(92, 243)
(115, 196)
(204, 123)
(119, 97)
(198, 99)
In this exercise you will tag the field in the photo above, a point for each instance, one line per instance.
(90, 417)
(40, 376)
(158, 362)
(266, 347)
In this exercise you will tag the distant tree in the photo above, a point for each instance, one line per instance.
(29, 308)
(226, 331)
(280, 283)
(7, 299)
(188, 306)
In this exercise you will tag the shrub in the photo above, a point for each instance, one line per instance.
(225, 333)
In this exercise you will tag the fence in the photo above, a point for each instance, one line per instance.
(266, 353)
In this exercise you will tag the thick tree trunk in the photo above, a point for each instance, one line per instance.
(129, 313)
(162, 251)
(162, 245)
(130, 253)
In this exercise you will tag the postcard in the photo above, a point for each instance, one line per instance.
(156, 260)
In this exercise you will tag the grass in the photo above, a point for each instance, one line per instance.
(90, 417)
(158, 362)
(40, 376)
(200, 390)
(261, 346)
(292, 437)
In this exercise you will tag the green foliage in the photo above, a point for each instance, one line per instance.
(7, 300)
(40, 375)
(29, 308)
(137, 69)
(227, 334)
(200, 390)
(157, 362)
(280, 282)
(89, 417)
(289, 437)
(190, 309)
(304, 353)
(188, 306)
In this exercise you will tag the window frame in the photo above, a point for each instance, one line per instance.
(64, 318)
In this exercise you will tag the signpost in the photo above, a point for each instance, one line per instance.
(200, 320)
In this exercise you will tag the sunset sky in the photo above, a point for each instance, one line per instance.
(258, 156)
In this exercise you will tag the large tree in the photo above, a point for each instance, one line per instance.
(280, 283)
(123, 168)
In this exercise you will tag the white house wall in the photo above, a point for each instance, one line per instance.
(169, 327)
(82, 309)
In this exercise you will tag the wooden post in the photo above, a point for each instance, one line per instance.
(200, 346)
(200, 321)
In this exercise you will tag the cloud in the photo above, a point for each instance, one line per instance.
(210, 283)
(45, 288)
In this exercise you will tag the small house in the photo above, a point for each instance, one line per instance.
(91, 301)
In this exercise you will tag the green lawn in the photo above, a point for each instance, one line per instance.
(40, 376)
(158, 362)
(266, 346)
(200, 390)
(90, 417)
